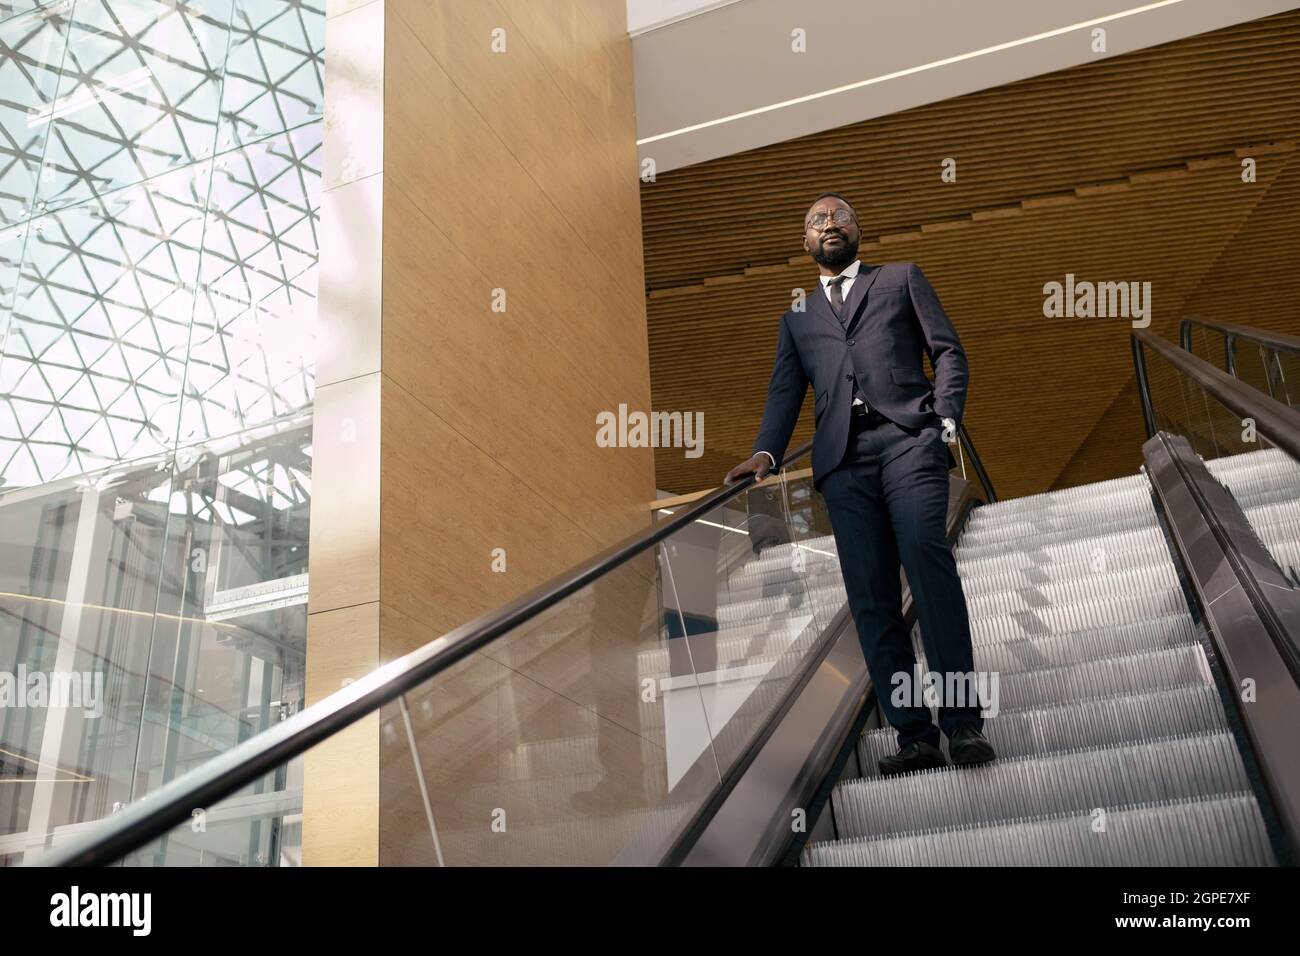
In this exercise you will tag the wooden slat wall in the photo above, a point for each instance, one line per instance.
(1123, 170)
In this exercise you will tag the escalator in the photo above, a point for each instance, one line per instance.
(1113, 742)
(1120, 622)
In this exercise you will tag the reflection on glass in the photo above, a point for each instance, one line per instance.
(591, 733)
(259, 825)
(1266, 367)
(158, 261)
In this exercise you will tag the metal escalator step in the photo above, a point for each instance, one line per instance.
(770, 565)
(1025, 534)
(1008, 527)
(1099, 612)
(1174, 628)
(782, 555)
(1084, 550)
(1287, 554)
(987, 522)
(1097, 722)
(726, 652)
(1258, 490)
(1081, 493)
(991, 582)
(1059, 650)
(1173, 768)
(792, 602)
(1223, 830)
(1265, 459)
(1072, 589)
(1081, 498)
(1284, 516)
(1108, 677)
(1051, 504)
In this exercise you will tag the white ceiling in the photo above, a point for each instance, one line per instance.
(644, 15)
(718, 77)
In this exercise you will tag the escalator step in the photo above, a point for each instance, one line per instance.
(1032, 596)
(1026, 535)
(987, 522)
(1081, 493)
(1109, 677)
(1103, 722)
(1174, 628)
(1174, 768)
(1063, 571)
(1059, 650)
(1080, 616)
(1081, 549)
(1220, 831)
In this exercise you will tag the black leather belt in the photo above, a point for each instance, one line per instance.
(861, 416)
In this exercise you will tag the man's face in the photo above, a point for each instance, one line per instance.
(831, 233)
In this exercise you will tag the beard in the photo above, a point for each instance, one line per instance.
(838, 257)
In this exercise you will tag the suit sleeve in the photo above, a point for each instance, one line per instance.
(942, 345)
(785, 395)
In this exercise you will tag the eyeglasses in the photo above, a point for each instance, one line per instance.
(842, 217)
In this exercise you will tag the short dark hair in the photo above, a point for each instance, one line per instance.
(841, 198)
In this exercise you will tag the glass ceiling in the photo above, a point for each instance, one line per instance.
(159, 183)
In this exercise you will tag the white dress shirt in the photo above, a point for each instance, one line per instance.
(850, 273)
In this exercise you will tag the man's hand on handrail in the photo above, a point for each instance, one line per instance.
(759, 465)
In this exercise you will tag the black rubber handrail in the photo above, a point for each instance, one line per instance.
(1277, 422)
(172, 804)
(977, 464)
(1278, 341)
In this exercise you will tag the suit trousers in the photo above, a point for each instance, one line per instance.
(888, 502)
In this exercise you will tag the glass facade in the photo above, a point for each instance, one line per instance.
(159, 201)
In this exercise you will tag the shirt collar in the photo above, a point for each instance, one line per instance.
(850, 272)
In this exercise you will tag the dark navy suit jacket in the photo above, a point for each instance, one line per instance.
(898, 317)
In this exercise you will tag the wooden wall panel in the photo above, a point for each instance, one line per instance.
(502, 171)
(453, 172)
(450, 162)
(341, 776)
(446, 505)
(500, 382)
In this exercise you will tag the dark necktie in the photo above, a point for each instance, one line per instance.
(837, 297)
(837, 305)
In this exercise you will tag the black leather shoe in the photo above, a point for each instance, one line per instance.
(918, 755)
(968, 747)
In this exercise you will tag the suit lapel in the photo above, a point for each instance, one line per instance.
(822, 306)
(857, 295)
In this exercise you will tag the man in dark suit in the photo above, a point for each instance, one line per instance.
(881, 460)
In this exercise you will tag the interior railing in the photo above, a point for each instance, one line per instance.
(1225, 463)
(1249, 441)
(594, 719)
(1271, 364)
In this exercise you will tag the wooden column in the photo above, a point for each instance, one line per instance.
(481, 301)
